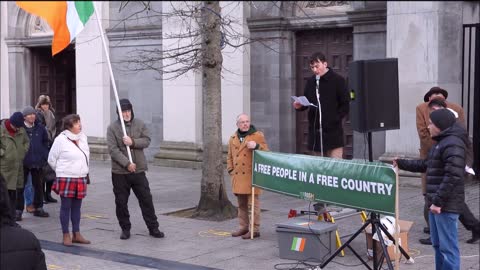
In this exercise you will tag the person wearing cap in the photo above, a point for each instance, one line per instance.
(46, 115)
(426, 142)
(13, 148)
(445, 192)
(34, 161)
(126, 175)
(467, 218)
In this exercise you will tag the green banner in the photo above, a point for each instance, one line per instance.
(355, 184)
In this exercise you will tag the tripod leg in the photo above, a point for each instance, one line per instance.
(377, 228)
(347, 244)
(358, 256)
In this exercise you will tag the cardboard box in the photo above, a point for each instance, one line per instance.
(306, 240)
(405, 227)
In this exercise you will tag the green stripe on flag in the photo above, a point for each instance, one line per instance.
(294, 243)
(84, 10)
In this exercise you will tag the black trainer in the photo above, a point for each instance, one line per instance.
(157, 233)
(125, 235)
(475, 237)
(39, 212)
(49, 198)
(426, 241)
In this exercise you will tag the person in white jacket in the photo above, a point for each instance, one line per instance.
(69, 158)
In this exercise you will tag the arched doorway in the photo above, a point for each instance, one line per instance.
(55, 77)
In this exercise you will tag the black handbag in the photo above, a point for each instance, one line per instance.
(48, 173)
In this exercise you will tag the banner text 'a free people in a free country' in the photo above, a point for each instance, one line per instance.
(349, 183)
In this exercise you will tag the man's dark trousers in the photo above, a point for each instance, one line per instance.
(122, 183)
(37, 182)
(468, 219)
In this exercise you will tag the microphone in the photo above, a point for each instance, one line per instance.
(317, 78)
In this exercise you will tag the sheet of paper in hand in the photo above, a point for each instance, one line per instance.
(303, 100)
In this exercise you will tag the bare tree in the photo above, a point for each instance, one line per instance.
(214, 202)
(200, 42)
(204, 32)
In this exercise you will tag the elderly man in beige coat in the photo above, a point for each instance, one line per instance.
(239, 165)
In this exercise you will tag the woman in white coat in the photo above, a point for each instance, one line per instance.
(69, 157)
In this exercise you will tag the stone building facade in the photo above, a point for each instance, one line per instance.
(426, 38)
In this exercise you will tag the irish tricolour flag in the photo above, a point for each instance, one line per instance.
(298, 244)
(66, 18)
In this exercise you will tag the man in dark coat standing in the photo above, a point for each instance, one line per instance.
(328, 88)
(445, 192)
(34, 161)
(128, 175)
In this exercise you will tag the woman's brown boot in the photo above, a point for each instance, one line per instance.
(67, 240)
(78, 238)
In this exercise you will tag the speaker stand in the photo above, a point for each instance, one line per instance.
(377, 262)
(370, 150)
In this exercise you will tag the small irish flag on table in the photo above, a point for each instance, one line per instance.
(298, 244)
(66, 18)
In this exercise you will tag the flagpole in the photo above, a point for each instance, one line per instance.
(119, 108)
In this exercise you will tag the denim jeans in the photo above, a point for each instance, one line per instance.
(443, 232)
(28, 192)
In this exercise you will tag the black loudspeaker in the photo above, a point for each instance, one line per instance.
(373, 88)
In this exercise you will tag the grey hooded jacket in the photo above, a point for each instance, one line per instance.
(140, 136)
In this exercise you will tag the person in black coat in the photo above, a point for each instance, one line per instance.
(334, 104)
(445, 192)
(19, 248)
(466, 217)
(33, 163)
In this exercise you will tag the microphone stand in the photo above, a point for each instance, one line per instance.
(320, 115)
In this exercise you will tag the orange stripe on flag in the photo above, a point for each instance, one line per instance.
(55, 13)
(302, 244)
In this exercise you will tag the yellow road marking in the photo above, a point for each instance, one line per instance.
(211, 233)
(93, 216)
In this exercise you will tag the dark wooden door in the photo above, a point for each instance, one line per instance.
(55, 77)
(337, 45)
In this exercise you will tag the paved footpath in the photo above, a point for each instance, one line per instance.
(196, 244)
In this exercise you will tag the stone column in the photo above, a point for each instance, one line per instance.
(182, 96)
(19, 75)
(4, 92)
(426, 38)
(142, 87)
(182, 100)
(369, 42)
(273, 81)
(92, 77)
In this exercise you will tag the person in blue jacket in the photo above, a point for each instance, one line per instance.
(34, 161)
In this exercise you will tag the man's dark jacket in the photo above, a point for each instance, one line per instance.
(37, 154)
(20, 249)
(445, 169)
(334, 100)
